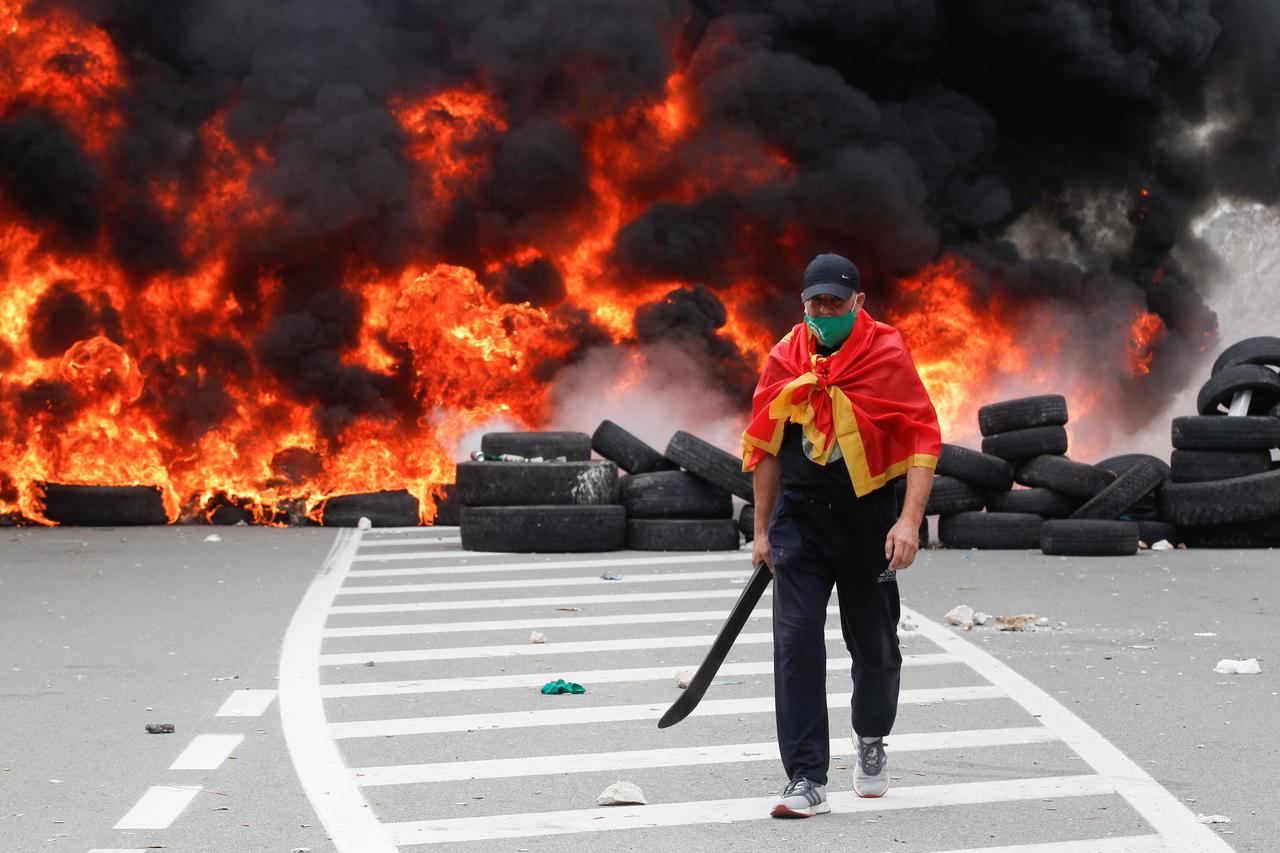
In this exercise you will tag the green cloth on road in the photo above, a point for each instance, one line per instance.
(562, 686)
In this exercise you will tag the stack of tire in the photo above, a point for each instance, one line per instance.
(670, 508)
(547, 506)
(1067, 507)
(1225, 490)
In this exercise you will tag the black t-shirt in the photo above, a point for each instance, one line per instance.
(828, 482)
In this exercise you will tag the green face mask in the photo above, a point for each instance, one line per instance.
(831, 331)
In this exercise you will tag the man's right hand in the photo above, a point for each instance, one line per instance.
(761, 552)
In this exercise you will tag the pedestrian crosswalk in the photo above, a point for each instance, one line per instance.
(424, 724)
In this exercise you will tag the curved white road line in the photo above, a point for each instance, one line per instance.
(1158, 807)
(326, 780)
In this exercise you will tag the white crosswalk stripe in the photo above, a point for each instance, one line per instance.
(969, 684)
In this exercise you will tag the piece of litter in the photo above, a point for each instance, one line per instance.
(1143, 546)
(569, 609)
(1228, 666)
(908, 624)
(1213, 818)
(371, 663)
(213, 537)
(1042, 621)
(683, 678)
(363, 523)
(536, 638)
(159, 728)
(1204, 634)
(622, 794)
(1142, 647)
(610, 576)
(1162, 545)
(1021, 622)
(722, 683)
(961, 614)
(225, 677)
(980, 618)
(558, 686)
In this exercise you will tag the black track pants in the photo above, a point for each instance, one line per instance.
(816, 545)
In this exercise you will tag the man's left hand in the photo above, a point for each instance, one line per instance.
(902, 543)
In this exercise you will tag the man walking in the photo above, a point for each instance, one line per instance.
(838, 413)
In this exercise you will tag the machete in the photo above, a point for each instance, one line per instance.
(692, 695)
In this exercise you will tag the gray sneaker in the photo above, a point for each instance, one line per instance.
(801, 798)
(871, 778)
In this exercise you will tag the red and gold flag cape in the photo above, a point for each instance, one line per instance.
(865, 397)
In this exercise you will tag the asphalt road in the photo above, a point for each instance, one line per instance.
(106, 631)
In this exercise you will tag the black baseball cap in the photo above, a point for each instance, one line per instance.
(833, 274)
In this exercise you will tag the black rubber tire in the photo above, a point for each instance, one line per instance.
(673, 494)
(1089, 537)
(710, 463)
(987, 472)
(1199, 466)
(1216, 393)
(1264, 533)
(1215, 432)
(991, 530)
(448, 508)
(544, 529)
(1045, 503)
(1022, 444)
(632, 455)
(1260, 350)
(573, 446)
(950, 495)
(537, 483)
(1144, 507)
(1221, 501)
(1152, 532)
(669, 534)
(383, 509)
(747, 521)
(1064, 475)
(1023, 413)
(103, 506)
(1113, 501)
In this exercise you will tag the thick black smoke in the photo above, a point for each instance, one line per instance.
(1063, 147)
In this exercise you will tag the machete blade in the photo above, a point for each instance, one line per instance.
(692, 694)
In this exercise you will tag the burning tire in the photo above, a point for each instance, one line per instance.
(383, 509)
(710, 463)
(668, 534)
(1126, 490)
(1023, 413)
(674, 494)
(448, 508)
(1022, 444)
(1262, 350)
(993, 530)
(950, 495)
(573, 446)
(537, 483)
(632, 455)
(987, 472)
(747, 521)
(1078, 537)
(1045, 503)
(1222, 501)
(1064, 475)
(103, 506)
(1199, 466)
(1215, 432)
(1215, 395)
(548, 529)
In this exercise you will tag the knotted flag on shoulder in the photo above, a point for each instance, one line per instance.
(865, 398)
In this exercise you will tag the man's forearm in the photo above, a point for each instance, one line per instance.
(919, 484)
(766, 485)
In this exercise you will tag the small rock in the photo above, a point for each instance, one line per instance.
(610, 576)
(1213, 818)
(1162, 545)
(1143, 546)
(1227, 666)
(980, 618)
(908, 624)
(961, 614)
(536, 638)
(213, 537)
(622, 794)
(364, 524)
(1021, 622)
(159, 728)
(1043, 621)
(683, 678)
